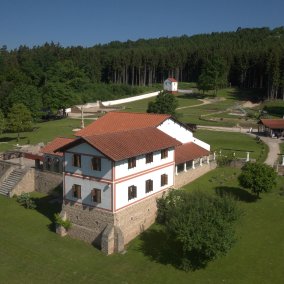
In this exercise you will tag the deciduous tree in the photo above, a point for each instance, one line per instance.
(201, 225)
(19, 119)
(257, 177)
(164, 103)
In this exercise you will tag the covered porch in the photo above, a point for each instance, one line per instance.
(191, 161)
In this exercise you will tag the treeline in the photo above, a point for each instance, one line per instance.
(54, 76)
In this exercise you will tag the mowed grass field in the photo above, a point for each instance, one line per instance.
(31, 252)
(43, 132)
(216, 113)
(234, 142)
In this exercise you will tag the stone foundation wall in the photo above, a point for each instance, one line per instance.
(138, 217)
(45, 182)
(88, 223)
(27, 183)
(110, 231)
(186, 177)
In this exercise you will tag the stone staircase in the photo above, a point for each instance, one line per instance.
(11, 181)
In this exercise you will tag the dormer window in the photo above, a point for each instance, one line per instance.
(77, 160)
(131, 163)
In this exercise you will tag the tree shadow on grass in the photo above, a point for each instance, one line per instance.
(7, 139)
(48, 206)
(236, 192)
(159, 248)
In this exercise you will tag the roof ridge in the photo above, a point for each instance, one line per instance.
(144, 113)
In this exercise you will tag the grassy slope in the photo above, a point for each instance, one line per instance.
(31, 253)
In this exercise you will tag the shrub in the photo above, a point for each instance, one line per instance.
(26, 200)
(66, 224)
(224, 161)
(199, 224)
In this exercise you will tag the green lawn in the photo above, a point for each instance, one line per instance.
(184, 100)
(43, 132)
(234, 142)
(31, 252)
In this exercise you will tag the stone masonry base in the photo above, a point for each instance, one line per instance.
(110, 231)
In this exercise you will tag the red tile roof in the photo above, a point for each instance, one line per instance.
(172, 79)
(55, 144)
(122, 121)
(125, 144)
(188, 152)
(273, 123)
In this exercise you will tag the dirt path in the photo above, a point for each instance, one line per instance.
(204, 102)
(272, 143)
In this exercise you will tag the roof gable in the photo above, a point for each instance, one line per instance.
(52, 146)
(122, 121)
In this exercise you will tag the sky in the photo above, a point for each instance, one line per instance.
(90, 22)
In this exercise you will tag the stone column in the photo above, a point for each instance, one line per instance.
(207, 160)
(22, 162)
(247, 160)
(214, 156)
(193, 166)
(282, 160)
(176, 170)
(200, 162)
(184, 167)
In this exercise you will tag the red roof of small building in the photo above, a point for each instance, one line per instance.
(125, 144)
(122, 121)
(55, 144)
(172, 79)
(273, 123)
(188, 152)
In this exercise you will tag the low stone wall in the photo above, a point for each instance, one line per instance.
(186, 177)
(46, 182)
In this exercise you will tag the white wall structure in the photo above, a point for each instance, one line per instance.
(87, 153)
(87, 185)
(176, 130)
(170, 85)
(121, 188)
(131, 99)
(122, 171)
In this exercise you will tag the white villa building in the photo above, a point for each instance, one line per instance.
(171, 85)
(116, 169)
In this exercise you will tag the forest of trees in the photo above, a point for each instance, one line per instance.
(51, 76)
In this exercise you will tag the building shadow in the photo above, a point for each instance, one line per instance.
(237, 193)
(48, 206)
